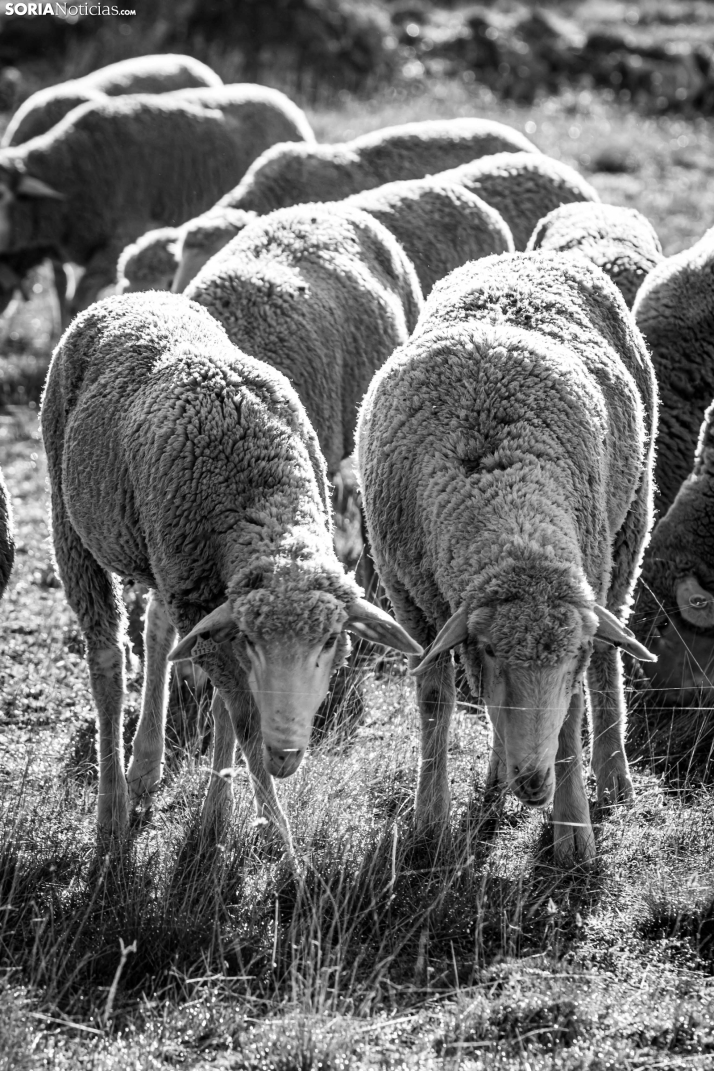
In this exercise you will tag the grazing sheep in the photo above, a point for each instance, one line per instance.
(439, 225)
(150, 262)
(505, 461)
(7, 543)
(675, 605)
(674, 310)
(323, 293)
(522, 186)
(110, 170)
(142, 74)
(177, 461)
(284, 176)
(620, 241)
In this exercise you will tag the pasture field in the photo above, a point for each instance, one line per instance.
(474, 953)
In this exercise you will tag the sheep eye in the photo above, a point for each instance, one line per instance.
(330, 642)
(661, 625)
(488, 649)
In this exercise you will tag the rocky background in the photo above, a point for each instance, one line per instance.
(658, 54)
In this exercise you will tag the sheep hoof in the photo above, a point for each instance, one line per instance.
(143, 779)
(216, 816)
(573, 844)
(614, 784)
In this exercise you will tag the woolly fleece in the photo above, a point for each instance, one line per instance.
(620, 241)
(142, 74)
(523, 187)
(149, 263)
(500, 451)
(440, 226)
(674, 310)
(288, 175)
(323, 293)
(179, 462)
(126, 164)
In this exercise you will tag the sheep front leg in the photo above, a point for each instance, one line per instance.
(436, 696)
(95, 596)
(609, 761)
(219, 798)
(572, 832)
(147, 761)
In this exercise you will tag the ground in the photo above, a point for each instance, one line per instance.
(394, 953)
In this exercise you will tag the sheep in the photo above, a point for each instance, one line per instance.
(7, 543)
(439, 225)
(676, 600)
(150, 262)
(111, 169)
(522, 186)
(142, 74)
(285, 176)
(178, 461)
(504, 455)
(323, 293)
(620, 241)
(674, 310)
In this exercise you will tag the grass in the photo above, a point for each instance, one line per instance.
(392, 953)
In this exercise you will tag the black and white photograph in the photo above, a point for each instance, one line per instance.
(357, 535)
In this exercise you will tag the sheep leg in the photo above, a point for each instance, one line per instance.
(60, 280)
(609, 761)
(572, 832)
(147, 760)
(100, 272)
(219, 798)
(496, 777)
(95, 596)
(436, 697)
(607, 696)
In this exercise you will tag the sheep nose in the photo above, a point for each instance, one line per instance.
(533, 787)
(282, 762)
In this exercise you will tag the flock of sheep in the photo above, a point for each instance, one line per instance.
(504, 430)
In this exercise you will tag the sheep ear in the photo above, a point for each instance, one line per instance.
(370, 623)
(696, 604)
(454, 632)
(611, 631)
(217, 626)
(29, 186)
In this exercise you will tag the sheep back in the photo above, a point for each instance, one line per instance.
(523, 187)
(674, 310)
(322, 292)
(620, 241)
(123, 164)
(525, 386)
(439, 225)
(142, 74)
(153, 423)
(289, 174)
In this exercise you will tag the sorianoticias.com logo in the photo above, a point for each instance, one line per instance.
(64, 11)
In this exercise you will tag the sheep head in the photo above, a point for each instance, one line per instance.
(683, 639)
(527, 660)
(205, 236)
(16, 185)
(288, 669)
